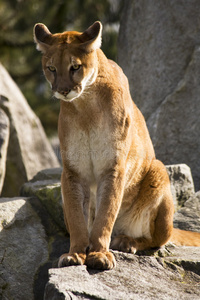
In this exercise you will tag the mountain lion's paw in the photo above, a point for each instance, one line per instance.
(123, 243)
(73, 259)
(100, 260)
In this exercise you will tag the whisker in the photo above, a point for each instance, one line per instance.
(53, 98)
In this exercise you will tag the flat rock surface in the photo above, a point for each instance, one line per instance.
(163, 276)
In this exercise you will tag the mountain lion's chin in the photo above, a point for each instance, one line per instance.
(69, 98)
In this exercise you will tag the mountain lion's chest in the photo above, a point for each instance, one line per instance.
(91, 152)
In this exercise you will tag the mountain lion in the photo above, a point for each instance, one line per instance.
(106, 150)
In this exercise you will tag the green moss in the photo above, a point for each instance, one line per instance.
(4, 223)
(50, 196)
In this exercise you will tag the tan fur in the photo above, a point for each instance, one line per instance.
(106, 148)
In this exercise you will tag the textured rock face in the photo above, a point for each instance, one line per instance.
(188, 217)
(159, 52)
(29, 150)
(4, 137)
(23, 248)
(46, 187)
(135, 277)
(182, 185)
(31, 243)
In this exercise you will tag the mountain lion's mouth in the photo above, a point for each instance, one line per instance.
(67, 97)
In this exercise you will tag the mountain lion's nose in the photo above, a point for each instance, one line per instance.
(65, 92)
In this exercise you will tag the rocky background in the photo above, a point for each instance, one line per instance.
(24, 147)
(159, 52)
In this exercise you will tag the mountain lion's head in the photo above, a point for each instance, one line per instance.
(69, 59)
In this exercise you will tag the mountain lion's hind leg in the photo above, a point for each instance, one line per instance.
(152, 216)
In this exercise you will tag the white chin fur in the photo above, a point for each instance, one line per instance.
(70, 97)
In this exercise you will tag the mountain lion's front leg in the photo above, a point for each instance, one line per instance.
(109, 197)
(75, 195)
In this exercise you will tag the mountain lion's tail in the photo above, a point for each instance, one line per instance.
(185, 238)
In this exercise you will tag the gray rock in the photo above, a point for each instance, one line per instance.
(48, 174)
(135, 277)
(182, 185)
(159, 52)
(4, 137)
(46, 186)
(23, 250)
(29, 150)
(188, 217)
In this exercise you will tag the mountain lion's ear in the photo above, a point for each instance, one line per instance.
(42, 37)
(91, 38)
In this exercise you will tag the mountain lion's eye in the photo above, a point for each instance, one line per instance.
(52, 69)
(75, 67)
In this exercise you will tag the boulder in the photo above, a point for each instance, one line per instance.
(23, 250)
(31, 243)
(188, 217)
(159, 52)
(4, 137)
(136, 276)
(172, 273)
(182, 185)
(48, 174)
(46, 186)
(29, 150)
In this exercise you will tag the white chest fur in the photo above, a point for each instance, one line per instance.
(90, 152)
(134, 223)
